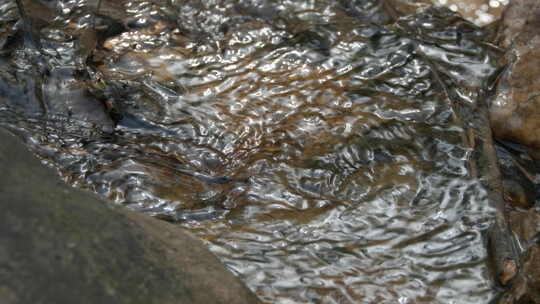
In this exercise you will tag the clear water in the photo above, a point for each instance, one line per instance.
(320, 148)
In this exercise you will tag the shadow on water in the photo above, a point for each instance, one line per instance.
(320, 147)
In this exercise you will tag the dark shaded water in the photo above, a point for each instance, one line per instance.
(319, 147)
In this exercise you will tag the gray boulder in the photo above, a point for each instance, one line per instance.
(62, 245)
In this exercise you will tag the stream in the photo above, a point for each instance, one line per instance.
(321, 149)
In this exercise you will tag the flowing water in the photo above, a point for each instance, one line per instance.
(320, 148)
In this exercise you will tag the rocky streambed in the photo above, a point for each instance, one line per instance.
(325, 151)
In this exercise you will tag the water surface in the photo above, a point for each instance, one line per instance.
(322, 149)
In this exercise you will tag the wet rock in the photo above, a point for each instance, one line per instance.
(58, 83)
(510, 270)
(525, 225)
(532, 276)
(526, 288)
(369, 11)
(514, 117)
(63, 92)
(517, 195)
(61, 245)
(520, 23)
(39, 12)
(519, 189)
(408, 7)
(515, 107)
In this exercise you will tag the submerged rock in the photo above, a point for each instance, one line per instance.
(61, 245)
(526, 287)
